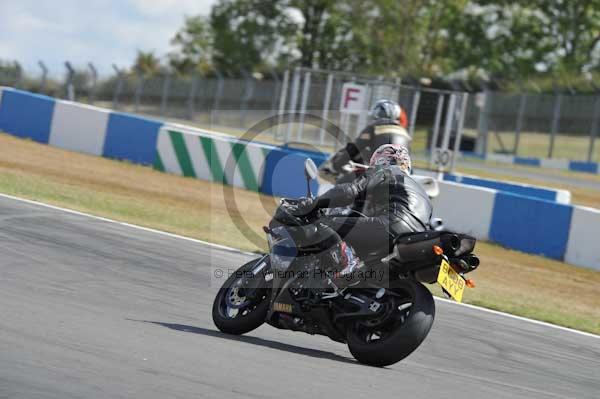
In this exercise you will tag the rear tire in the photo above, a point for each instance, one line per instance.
(240, 323)
(404, 338)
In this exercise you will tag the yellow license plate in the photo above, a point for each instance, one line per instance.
(451, 281)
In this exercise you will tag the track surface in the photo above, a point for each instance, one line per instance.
(97, 309)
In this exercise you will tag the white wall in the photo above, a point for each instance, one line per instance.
(465, 209)
(550, 163)
(582, 247)
(78, 127)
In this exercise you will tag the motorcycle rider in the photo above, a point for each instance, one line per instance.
(389, 127)
(390, 201)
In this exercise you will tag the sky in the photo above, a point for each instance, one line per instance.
(99, 31)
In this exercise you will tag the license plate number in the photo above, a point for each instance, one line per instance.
(451, 281)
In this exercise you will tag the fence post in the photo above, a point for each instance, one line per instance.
(92, 93)
(449, 122)
(519, 126)
(294, 101)
(44, 77)
(165, 93)
(191, 96)
(118, 87)
(282, 101)
(276, 89)
(413, 112)
(459, 130)
(436, 127)
(138, 90)
(325, 113)
(18, 75)
(483, 122)
(214, 115)
(248, 92)
(305, 93)
(555, 120)
(70, 89)
(594, 128)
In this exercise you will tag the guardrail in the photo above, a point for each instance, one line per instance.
(532, 225)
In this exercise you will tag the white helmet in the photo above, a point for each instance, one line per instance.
(388, 109)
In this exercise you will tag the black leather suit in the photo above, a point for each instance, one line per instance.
(392, 204)
(384, 131)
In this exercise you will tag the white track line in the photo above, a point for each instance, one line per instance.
(223, 247)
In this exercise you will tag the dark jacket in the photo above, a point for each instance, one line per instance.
(369, 139)
(384, 192)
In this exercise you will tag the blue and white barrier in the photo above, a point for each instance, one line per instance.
(78, 127)
(561, 164)
(534, 225)
(528, 190)
(558, 231)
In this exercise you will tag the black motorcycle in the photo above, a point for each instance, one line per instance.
(312, 281)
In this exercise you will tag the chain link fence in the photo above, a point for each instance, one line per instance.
(555, 125)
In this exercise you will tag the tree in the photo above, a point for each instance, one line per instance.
(497, 39)
(194, 46)
(10, 72)
(249, 33)
(519, 40)
(147, 63)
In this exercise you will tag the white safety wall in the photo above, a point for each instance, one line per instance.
(583, 236)
(464, 208)
(78, 127)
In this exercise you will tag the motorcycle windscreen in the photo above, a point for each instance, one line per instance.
(283, 252)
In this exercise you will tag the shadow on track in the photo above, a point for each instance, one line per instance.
(254, 341)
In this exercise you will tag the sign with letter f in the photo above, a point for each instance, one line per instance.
(354, 97)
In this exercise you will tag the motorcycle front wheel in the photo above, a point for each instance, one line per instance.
(385, 343)
(235, 313)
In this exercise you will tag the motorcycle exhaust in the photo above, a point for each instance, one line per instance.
(419, 248)
(472, 261)
(467, 263)
(450, 242)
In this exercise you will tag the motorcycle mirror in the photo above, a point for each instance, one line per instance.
(311, 172)
(310, 169)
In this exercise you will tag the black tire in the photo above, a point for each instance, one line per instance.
(405, 338)
(239, 324)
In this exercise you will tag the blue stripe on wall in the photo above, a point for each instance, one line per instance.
(528, 191)
(580, 166)
(527, 161)
(533, 226)
(26, 114)
(284, 172)
(131, 137)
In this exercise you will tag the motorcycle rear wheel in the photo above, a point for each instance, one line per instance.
(232, 312)
(379, 347)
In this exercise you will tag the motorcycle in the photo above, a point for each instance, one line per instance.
(312, 281)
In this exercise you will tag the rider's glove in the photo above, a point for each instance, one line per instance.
(305, 206)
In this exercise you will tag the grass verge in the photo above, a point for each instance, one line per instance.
(509, 281)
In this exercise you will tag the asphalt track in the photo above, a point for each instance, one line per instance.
(96, 309)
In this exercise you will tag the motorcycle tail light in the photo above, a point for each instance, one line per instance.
(438, 250)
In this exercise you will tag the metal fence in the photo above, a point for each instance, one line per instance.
(540, 125)
(526, 124)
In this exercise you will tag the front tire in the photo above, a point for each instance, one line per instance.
(377, 347)
(232, 312)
